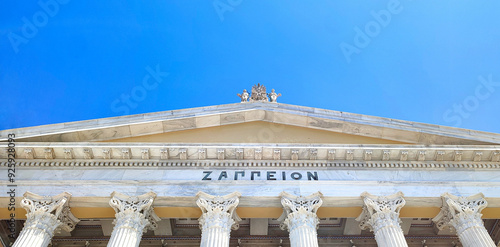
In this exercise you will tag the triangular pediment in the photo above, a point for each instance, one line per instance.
(252, 122)
(256, 132)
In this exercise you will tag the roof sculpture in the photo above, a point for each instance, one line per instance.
(259, 94)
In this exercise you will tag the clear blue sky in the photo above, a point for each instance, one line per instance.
(435, 62)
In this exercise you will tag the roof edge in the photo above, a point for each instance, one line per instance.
(60, 128)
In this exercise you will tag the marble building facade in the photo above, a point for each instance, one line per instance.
(256, 173)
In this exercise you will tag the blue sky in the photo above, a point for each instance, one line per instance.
(435, 62)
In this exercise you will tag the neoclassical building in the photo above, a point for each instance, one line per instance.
(255, 173)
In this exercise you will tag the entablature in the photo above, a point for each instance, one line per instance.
(159, 154)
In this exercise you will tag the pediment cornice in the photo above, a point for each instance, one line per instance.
(210, 116)
(152, 154)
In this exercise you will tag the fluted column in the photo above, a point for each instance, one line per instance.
(299, 217)
(464, 215)
(218, 218)
(45, 215)
(381, 215)
(133, 215)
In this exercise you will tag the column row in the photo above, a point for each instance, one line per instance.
(135, 214)
(463, 214)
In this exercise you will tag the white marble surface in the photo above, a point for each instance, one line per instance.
(344, 184)
(195, 174)
(349, 123)
(337, 194)
(489, 153)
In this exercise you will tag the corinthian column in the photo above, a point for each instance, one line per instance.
(299, 217)
(381, 215)
(45, 215)
(218, 218)
(133, 215)
(464, 214)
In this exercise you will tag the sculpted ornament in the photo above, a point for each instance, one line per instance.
(460, 212)
(300, 211)
(136, 211)
(259, 94)
(464, 214)
(244, 96)
(273, 96)
(218, 211)
(45, 216)
(55, 209)
(381, 211)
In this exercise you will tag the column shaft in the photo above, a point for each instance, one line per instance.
(215, 236)
(476, 236)
(303, 237)
(128, 230)
(33, 237)
(390, 237)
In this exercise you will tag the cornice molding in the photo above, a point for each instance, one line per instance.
(253, 153)
(259, 164)
(309, 117)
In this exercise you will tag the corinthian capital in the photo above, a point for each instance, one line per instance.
(300, 210)
(380, 211)
(56, 206)
(219, 210)
(460, 212)
(142, 205)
